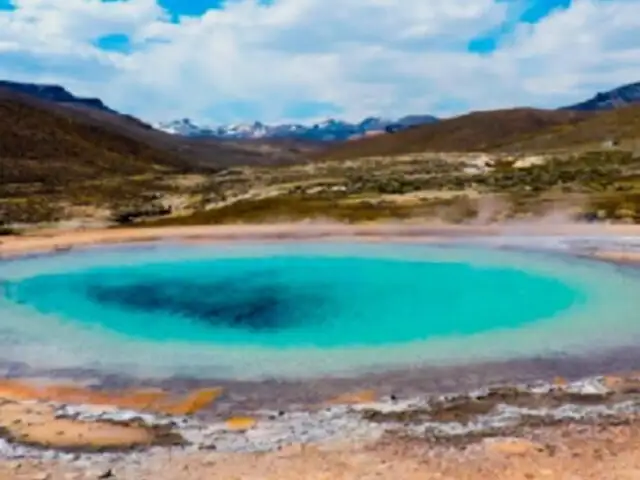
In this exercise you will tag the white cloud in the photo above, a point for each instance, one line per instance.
(365, 56)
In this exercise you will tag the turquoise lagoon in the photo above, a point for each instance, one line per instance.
(250, 311)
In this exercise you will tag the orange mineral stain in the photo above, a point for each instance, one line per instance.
(192, 403)
(240, 424)
(354, 398)
(135, 399)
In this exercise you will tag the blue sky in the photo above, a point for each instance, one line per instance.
(526, 12)
(191, 7)
(302, 60)
(530, 12)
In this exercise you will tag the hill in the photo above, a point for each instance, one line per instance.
(40, 145)
(477, 131)
(54, 93)
(42, 141)
(620, 126)
(618, 97)
(79, 160)
(53, 154)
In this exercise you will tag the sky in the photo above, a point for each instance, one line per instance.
(230, 61)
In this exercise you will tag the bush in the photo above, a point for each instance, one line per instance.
(6, 231)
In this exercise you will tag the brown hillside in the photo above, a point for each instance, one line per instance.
(621, 125)
(477, 131)
(52, 144)
(37, 145)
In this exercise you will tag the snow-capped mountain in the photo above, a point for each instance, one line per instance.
(328, 130)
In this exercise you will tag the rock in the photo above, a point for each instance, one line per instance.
(106, 474)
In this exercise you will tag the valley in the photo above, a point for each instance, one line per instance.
(89, 166)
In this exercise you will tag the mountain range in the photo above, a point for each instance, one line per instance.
(330, 130)
(58, 148)
(337, 130)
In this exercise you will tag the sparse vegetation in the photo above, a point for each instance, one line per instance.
(515, 131)
(7, 231)
(54, 165)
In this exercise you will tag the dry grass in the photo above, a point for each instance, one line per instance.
(517, 130)
(56, 163)
(478, 131)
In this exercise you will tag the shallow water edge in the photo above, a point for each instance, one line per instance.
(403, 382)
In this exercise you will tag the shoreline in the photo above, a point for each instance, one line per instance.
(45, 241)
(324, 416)
(525, 238)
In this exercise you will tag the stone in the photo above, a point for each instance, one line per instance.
(106, 474)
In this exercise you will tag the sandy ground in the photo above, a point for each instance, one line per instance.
(51, 240)
(564, 453)
(585, 449)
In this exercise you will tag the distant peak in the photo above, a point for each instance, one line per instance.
(53, 93)
(331, 129)
(618, 97)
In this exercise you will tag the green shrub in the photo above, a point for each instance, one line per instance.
(6, 231)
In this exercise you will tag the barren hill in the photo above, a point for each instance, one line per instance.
(58, 156)
(620, 125)
(477, 131)
(41, 141)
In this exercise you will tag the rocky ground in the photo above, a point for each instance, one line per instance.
(587, 429)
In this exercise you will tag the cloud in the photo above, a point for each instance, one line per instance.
(262, 60)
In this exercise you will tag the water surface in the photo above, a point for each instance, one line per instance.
(306, 309)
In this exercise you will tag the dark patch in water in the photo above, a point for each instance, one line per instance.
(248, 305)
